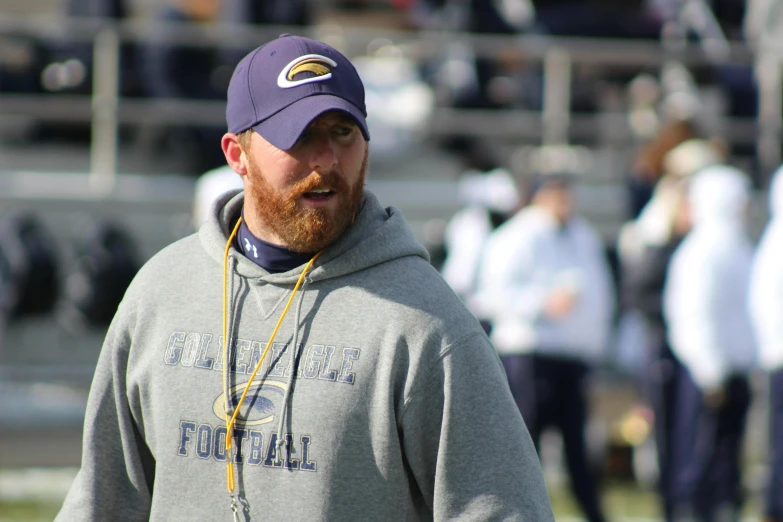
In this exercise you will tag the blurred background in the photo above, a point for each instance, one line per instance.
(111, 113)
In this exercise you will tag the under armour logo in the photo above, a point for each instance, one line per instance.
(249, 246)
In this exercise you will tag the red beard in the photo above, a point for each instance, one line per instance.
(305, 229)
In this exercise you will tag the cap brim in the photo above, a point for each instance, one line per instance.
(284, 128)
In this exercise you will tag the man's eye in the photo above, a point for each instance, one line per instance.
(343, 130)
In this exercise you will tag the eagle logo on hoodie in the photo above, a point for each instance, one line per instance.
(259, 406)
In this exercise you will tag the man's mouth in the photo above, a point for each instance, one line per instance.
(318, 194)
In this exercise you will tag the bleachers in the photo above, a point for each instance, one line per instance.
(151, 192)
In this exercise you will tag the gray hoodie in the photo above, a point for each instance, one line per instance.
(396, 408)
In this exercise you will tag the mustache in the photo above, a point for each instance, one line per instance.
(319, 181)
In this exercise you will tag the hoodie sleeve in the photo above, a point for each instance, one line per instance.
(689, 302)
(466, 443)
(116, 475)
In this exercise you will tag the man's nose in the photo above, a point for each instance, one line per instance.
(322, 155)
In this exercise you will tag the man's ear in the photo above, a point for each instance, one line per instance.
(233, 153)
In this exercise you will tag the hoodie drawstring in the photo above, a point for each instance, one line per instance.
(230, 470)
(228, 333)
(231, 485)
(290, 383)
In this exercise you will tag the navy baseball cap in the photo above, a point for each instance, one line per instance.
(281, 87)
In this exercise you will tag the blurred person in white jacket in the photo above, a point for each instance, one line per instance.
(545, 284)
(645, 246)
(709, 331)
(766, 309)
(209, 187)
(489, 198)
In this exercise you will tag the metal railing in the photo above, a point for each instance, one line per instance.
(554, 124)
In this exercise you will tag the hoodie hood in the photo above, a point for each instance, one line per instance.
(719, 195)
(377, 235)
(776, 194)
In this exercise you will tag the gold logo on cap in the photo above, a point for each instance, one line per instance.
(317, 64)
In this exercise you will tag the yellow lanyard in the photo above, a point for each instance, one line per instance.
(230, 422)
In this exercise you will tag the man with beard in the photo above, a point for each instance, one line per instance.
(378, 397)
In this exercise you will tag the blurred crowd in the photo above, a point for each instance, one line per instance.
(162, 67)
(686, 293)
(692, 308)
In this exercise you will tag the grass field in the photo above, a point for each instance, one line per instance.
(623, 501)
(28, 511)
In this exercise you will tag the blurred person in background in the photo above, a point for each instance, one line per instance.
(58, 63)
(545, 285)
(766, 306)
(260, 13)
(381, 396)
(174, 70)
(646, 246)
(658, 219)
(201, 72)
(66, 53)
(209, 187)
(272, 12)
(460, 76)
(709, 331)
(647, 167)
(627, 19)
(762, 29)
(763, 22)
(489, 197)
(693, 155)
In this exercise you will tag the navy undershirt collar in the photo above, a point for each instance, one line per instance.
(272, 258)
